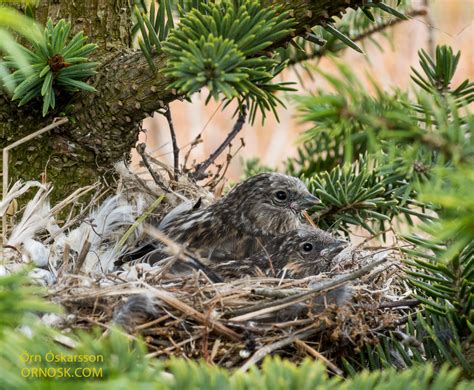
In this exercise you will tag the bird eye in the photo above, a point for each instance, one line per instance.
(307, 247)
(281, 195)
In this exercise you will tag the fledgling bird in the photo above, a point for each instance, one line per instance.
(237, 225)
(306, 251)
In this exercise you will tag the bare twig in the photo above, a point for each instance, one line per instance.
(402, 303)
(198, 316)
(167, 114)
(199, 173)
(267, 349)
(161, 164)
(198, 139)
(65, 264)
(308, 218)
(317, 355)
(176, 346)
(195, 142)
(141, 150)
(429, 22)
(222, 170)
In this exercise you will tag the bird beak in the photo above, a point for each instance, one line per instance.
(335, 248)
(307, 202)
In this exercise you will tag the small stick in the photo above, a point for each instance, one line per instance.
(267, 349)
(198, 316)
(402, 303)
(317, 355)
(167, 114)
(259, 309)
(198, 138)
(141, 151)
(153, 322)
(193, 145)
(82, 255)
(308, 218)
(199, 173)
(272, 293)
(175, 346)
(221, 176)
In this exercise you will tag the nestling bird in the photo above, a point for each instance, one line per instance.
(306, 251)
(237, 225)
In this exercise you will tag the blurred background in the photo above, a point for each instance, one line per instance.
(447, 22)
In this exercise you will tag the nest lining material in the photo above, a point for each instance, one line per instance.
(234, 324)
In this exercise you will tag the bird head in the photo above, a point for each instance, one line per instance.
(306, 251)
(270, 203)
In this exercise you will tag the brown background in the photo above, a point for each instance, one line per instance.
(449, 22)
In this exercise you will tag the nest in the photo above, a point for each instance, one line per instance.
(233, 324)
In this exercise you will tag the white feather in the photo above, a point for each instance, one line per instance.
(34, 219)
(42, 277)
(36, 252)
(17, 189)
(105, 225)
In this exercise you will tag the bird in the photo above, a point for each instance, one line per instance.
(237, 225)
(299, 253)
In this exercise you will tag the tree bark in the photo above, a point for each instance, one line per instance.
(103, 126)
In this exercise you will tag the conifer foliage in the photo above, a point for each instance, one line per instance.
(378, 160)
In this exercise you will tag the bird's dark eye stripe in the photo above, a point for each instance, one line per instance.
(281, 195)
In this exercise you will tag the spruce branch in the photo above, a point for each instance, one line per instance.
(321, 49)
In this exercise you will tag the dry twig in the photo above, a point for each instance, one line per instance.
(201, 168)
(141, 151)
(174, 142)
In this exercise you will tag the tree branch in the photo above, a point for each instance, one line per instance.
(127, 90)
(318, 53)
(103, 125)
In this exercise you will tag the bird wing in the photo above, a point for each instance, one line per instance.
(177, 211)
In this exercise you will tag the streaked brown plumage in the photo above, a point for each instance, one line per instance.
(299, 253)
(239, 224)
